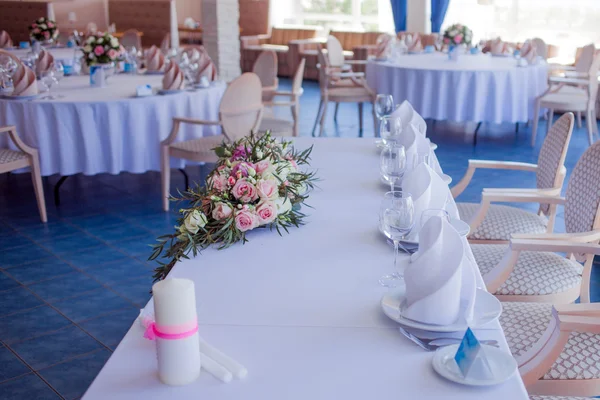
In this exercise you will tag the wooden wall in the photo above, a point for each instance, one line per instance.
(254, 17)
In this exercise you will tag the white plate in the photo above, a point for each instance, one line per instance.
(154, 72)
(502, 364)
(201, 86)
(487, 309)
(172, 91)
(501, 55)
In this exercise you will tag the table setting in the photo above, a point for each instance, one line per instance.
(304, 313)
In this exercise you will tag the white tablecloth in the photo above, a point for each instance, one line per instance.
(63, 53)
(477, 88)
(97, 130)
(301, 311)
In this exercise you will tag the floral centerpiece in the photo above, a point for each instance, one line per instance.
(101, 48)
(43, 30)
(457, 35)
(257, 183)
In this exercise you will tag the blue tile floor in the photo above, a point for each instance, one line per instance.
(69, 290)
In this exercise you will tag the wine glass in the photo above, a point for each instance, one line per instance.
(48, 80)
(384, 105)
(390, 129)
(397, 220)
(420, 158)
(59, 71)
(392, 163)
(433, 212)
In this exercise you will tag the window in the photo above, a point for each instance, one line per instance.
(566, 24)
(358, 15)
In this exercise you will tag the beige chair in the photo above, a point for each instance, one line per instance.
(341, 87)
(493, 223)
(265, 67)
(240, 113)
(11, 160)
(282, 127)
(131, 38)
(577, 93)
(541, 47)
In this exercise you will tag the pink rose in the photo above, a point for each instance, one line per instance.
(266, 212)
(458, 38)
(231, 181)
(218, 182)
(262, 166)
(46, 34)
(242, 169)
(245, 220)
(50, 25)
(240, 152)
(244, 191)
(267, 189)
(112, 54)
(34, 25)
(446, 40)
(221, 211)
(99, 50)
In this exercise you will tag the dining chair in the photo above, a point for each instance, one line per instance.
(5, 40)
(131, 38)
(576, 92)
(341, 87)
(284, 127)
(540, 47)
(265, 67)
(529, 268)
(494, 223)
(240, 113)
(557, 348)
(26, 156)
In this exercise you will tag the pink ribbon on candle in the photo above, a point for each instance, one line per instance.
(169, 332)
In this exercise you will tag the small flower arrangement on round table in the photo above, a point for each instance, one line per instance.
(457, 36)
(43, 30)
(100, 52)
(257, 183)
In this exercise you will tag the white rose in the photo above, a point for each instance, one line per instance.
(283, 205)
(43, 26)
(90, 39)
(114, 42)
(91, 56)
(87, 48)
(100, 40)
(194, 221)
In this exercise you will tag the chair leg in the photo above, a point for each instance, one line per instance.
(318, 115)
(578, 119)
(296, 115)
(323, 116)
(165, 172)
(360, 119)
(590, 126)
(335, 113)
(38, 187)
(536, 119)
(594, 120)
(550, 120)
(375, 120)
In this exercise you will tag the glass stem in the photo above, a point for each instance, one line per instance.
(396, 244)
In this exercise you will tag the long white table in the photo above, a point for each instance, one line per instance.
(301, 311)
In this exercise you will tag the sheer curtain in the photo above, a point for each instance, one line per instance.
(567, 24)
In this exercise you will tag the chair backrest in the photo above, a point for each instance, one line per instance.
(593, 78)
(241, 107)
(429, 39)
(586, 57)
(283, 35)
(265, 67)
(335, 52)
(552, 156)
(298, 77)
(540, 47)
(131, 38)
(323, 67)
(583, 193)
(5, 40)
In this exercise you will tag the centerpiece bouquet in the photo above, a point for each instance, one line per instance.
(257, 183)
(43, 30)
(101, 48)
(457, 35)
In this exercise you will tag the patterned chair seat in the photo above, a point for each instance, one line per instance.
(502, 221)
(524, 324)
(201, 145)
(558, 398)
(8, 156)
(536, 273)
(277, 126)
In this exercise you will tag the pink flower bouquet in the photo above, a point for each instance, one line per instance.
(43, 30)
(101, 48)
(458, 34)
(257, 183)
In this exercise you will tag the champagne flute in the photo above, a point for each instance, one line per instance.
(397, 220)
(384, 106)
(392, 164)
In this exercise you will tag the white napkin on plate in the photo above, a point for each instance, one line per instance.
(529, 52)
(173, 78)
(427, 189)
(44, 62)
(408, 116)
(414, 143)
(414, 43)
(440, 280)
(5, 40)
(155, 60)
(24, 82)
(383, 46)
(206, 68)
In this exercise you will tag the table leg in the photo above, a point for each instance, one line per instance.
(186, 177)
(475, 135)
(57, 189)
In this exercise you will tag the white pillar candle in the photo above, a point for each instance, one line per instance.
(175, 311)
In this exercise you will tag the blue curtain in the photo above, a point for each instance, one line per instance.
(438, 12)
(399, 11)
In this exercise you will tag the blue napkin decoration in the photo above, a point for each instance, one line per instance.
(429, 49)
(129, 67)
(474, 50)
(68, 69)
(143, 90)
(23, 45)
(470, 357)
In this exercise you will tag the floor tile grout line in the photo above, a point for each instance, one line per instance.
(74, 358)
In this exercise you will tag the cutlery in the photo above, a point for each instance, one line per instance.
(434, 344)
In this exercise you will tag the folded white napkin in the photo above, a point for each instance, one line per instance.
(414, 43)
(173, 78)
(384, 43)
(408, 116)
(206, 68)
(440, 279)
(415, 144)
(427, 189)
(5, 40)
(155, 60)
(529, 52)
(24, 82)
(44, 62)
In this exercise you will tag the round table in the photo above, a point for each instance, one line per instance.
(475, 88)
(59, 53)
(108, 130)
